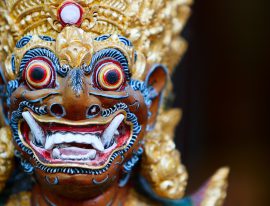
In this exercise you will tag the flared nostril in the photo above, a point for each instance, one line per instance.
(57, 110)
(93, 111)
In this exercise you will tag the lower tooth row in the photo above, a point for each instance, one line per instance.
(57, 155)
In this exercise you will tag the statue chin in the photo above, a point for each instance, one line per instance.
(84, 187)
(75, 186)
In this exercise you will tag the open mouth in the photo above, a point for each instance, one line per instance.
(56, 143)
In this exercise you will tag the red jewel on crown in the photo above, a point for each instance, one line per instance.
(70, 13)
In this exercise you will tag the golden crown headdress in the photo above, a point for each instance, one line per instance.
(153, 26)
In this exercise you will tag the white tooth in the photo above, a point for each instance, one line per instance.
(49, 143)
(96, 143)
(35, 128)
(116, 132)
(56, 153)
(90, 155)
(108, 133)
(59, 138)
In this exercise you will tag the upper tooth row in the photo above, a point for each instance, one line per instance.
(59, 138)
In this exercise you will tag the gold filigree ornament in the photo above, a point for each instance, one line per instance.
(161, 162)
(152, 26)
(75, 47)
(215, 191)
(21, 199)
(6, 155)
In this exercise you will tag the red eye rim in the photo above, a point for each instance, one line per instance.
(47, 81)
(104, 65)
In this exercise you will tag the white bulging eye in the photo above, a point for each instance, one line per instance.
(38, 74)
(110, 77)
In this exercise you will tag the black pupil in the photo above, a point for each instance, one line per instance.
(37, 74)
(112, 77)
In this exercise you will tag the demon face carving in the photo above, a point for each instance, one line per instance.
(78, 117)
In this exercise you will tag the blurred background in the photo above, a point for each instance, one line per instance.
(222, 85)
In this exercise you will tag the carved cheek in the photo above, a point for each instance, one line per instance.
(137, 105)
(141, 111)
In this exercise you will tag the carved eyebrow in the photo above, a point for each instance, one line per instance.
(46, 38)
(122, 39)
(26, 39)
(23, 41)
(39, 52)
(114, 54)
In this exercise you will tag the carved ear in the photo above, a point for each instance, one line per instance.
(156, 81)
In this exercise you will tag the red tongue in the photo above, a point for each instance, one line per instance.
(74, 151)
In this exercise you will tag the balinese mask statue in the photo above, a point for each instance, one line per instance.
(85, 90)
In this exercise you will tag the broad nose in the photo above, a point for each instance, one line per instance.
(75, 112)
(76, 102)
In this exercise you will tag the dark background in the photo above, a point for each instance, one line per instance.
(222, 85)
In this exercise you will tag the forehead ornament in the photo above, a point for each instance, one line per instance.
(70, 13)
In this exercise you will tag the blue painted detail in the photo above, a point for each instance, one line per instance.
(114, 54)
(23, 41)
(27, 167)
(125, 41)
(103, 37)
(86, 69)
(11, 87)
(147, 190)
(54, 182)
(63, 71)
(148, 93)
(46, 38)
(129, 166)
(17, 154)
(122, 39)
(76, 76)
(40, 52)
(136, 57)
(13, 66)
